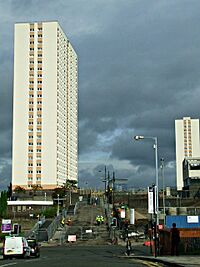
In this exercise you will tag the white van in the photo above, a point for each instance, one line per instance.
(15, 246)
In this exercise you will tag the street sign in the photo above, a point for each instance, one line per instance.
(6, 226)
(192, 219)
(89, 231)
(132, 216)
(71, 238)
(123, 214)
(150, 200)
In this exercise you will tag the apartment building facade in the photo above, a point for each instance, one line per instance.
(187, 144)
(45, 107)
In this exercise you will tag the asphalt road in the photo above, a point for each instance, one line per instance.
(78, 256)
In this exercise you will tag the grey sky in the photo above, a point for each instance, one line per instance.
(139, 64)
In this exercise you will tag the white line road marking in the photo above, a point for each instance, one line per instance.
(8, 264)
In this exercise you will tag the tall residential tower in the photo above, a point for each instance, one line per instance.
(45, 112)
(187, 144)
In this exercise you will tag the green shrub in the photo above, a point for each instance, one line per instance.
(49, 212)
(2, 236)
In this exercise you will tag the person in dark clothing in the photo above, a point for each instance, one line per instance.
(128, 247)
(175, 239)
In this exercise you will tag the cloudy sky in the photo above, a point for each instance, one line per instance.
(139, 70)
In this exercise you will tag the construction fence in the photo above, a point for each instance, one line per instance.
(189, 241)
(86, 232)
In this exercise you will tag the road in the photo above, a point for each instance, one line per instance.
(79, 256)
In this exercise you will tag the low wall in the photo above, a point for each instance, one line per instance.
(189, 241)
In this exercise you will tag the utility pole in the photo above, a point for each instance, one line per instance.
(162, 169)
(105, 181)
(155, 218)
(58, 211)
(113, 190)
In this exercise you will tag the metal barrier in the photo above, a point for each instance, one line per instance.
(87, 232)
(53, 227)
(33, 232)
(189, 241)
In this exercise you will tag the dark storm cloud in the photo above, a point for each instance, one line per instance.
(139, 65)
(151, 66)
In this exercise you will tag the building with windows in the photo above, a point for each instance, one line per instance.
(191, 176)
(45, 107)
(187, 144)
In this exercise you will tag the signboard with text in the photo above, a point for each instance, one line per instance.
(152, 197)
(71, 238)
(192, 219)
(150, 200)
(123, 214)
(6, 226)
(132, 216)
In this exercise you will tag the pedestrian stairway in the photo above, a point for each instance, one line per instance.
(42, 234)
(84, 224)
(71, 210)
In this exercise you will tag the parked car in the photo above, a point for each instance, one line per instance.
(34, 247)
(15, 246)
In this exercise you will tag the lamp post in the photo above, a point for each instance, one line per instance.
(140, 137)
(70, 196)
(58, 211)
(105, 180)
(113, 190)
(162, 170)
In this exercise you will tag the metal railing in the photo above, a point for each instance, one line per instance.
(33, 232)
(53, 227)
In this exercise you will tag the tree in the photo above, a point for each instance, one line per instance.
(35, 188)
(70, 184)
(3, 204)
(19, 189)
(61, 191)
(9, 192)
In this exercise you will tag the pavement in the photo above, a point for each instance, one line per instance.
(143, 253)
(176, 261)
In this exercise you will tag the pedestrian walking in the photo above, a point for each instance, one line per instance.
(101, 219)
(98, 220)
(128, 247)
(63, 222)
(175, 239)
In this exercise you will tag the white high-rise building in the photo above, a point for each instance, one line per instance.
(45, 112)
(187, 144)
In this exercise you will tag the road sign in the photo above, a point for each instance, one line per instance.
(152, 199)
(71, 238)
(6, 226)
(123, 213)
(132, 216)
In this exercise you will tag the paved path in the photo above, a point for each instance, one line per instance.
(142, 252)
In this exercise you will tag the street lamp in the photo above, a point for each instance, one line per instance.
(104, 180)
(140, 137)
(58, 210)
(162, 170)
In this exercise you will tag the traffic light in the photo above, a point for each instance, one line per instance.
(16, 228)
(114, 222)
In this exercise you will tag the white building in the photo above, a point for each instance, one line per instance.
(45, 113)
(187, 144)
